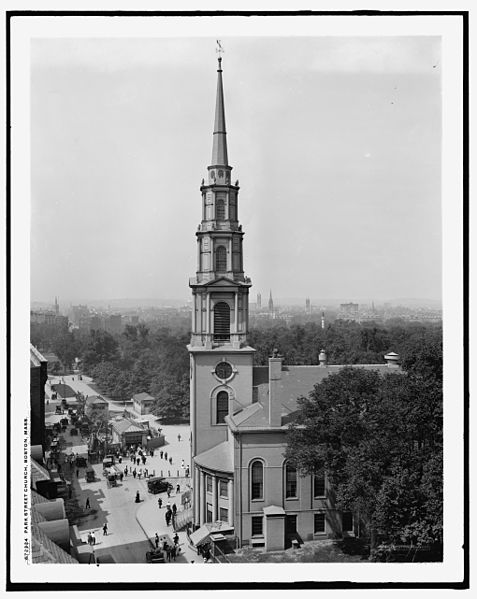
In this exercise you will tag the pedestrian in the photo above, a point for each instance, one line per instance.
(187, 472)
(77, 472)
(152, 453)
(165, 455)
(139, 473)
(145, 472)
(179, 438)
(168, 492)
(168, 517)
(169, 553)
(90, 539)
(138, 498)
(143, 460)
(159, 503)
(164, 546)
(120, 459)
(126, 471)
(134, 472)
(94, 538)
(138, 461)
(105, 529)
(174, 509)
(87, 506)
(176, 539)
(173, 552)
(121, 476)
(156, 541)
(178, 489)
(161, 453)
(170, 461)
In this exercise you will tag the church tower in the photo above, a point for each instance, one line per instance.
(221, 361)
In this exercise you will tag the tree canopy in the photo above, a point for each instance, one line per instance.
(379, 438)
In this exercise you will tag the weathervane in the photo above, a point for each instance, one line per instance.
(219, 48)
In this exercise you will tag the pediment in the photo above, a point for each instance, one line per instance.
(221, 282)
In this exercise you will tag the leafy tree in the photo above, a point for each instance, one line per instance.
(380, 441)
(102, 347)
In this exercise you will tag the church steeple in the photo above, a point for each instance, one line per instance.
(220, 287)
(219, 148)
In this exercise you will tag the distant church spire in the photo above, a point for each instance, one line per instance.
(270, 302)
(219, 148)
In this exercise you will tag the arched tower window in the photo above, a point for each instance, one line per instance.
(222, 408)
(256, 475)
(290, 481)
(221, 259)
(221, 322)
(220, 209)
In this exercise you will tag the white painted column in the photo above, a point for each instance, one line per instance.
(202, 498)
(215, 502)
(207, 299)
(231, 501)
(236, 311)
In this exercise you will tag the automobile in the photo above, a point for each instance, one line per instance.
(59, 410)
(158, 484)
(155, 557)
(90, 475)
(108, 461)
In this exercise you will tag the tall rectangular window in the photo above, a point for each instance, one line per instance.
(257, 480)
(319, 485)
(208, 480)
(209, 513)
(290, 481)
(347, 521)
(257, 526)
(319, 523)
(223, 514)
(222, 406)
(223, 488)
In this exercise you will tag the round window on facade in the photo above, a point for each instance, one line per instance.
(223, 370)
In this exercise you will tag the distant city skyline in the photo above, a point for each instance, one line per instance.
(335, 141)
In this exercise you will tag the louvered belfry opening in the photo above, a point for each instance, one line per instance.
(221, 259)
(220, 209)
(221, 322)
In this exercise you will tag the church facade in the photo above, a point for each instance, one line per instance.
(240, 412)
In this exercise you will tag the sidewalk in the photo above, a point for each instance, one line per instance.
(152, 519)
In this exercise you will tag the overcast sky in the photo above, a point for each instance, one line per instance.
(336, 143)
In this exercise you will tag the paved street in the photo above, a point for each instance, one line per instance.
(131, 526)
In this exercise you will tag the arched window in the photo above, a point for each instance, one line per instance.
(221, 258)
(220, 209)
(256, 472)
(221, 322)
(290, 481)
(222, 407)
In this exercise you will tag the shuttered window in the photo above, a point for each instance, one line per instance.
(221, 259)
(220, 209)
(221, 322)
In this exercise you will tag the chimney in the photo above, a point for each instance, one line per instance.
(322, 358)
(274, 378)
(392, 359)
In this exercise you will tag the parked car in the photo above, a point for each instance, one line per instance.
(108, 461)
(90, 475)
(158, 484)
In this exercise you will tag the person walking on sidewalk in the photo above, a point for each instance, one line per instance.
(88, 505)
(156, 541)
(159, 503)
(105, 529)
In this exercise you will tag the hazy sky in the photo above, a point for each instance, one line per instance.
(336, 142)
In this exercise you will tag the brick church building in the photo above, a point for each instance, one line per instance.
(240, 412)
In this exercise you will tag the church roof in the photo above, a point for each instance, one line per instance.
(217, 458)
(45, 551)
(296, 381)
